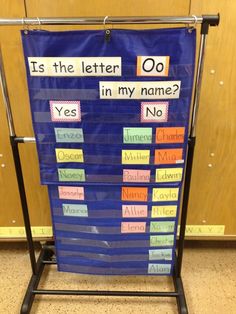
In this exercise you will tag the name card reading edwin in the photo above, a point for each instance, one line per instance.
(75, 66)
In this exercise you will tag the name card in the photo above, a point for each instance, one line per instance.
(137, 135)
(135, 157)
(170, 135)
(65, 174)
(163, 269)
(134, 211)
(154, 112)
(69, 155)
(169, 174)
(162, 240)
(162, 226)
(133, 227)
(133, 175)
(65, 111)
(139, 194)
(71, 192)
(69, 135)
(165, 194)
(164, 211)
(161, 254)
(168, 156)
(75, 210)
(153, 65)
(74, 66)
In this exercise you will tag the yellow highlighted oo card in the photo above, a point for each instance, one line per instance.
(135, 157)
(69, 155)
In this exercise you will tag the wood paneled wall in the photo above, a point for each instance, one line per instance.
(213, 199)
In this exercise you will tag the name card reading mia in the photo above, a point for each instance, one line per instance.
(74, 66)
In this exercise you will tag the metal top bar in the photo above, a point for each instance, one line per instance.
(210, 19)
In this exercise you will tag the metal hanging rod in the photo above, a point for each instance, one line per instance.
(212, 20)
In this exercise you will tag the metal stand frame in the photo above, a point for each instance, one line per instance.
(46, 256)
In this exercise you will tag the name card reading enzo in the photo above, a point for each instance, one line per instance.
(74, 66)
(139, 90)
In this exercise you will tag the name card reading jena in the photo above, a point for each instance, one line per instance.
(139, 90)
(74, 66)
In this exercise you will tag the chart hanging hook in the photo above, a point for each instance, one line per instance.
(107, 31)
(25, 26)
(194, 25)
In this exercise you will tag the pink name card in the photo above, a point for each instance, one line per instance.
(133, 227)
(134, 211)
(133, 175)
(71, 192)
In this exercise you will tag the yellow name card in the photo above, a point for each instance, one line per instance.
(164, 211)
(69, 155)
(135, 157)
(169, 174)
(165, 194)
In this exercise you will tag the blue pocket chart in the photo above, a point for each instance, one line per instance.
(111, 124)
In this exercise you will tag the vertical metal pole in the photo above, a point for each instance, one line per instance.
(17, 163)
(190, 154)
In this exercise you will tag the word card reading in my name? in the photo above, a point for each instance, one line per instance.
(65, 111)
(69, 155)
(139, 90)
(66, 174)
(135, 157)
(154, 112)
(71, 192)
(139, 194)
(153, 65)
(74, 66)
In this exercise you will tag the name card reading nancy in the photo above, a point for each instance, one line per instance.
(74, 66)
(163, 269)
(138, 194)
(162, 240)
(135, 157)
(69, 135)
(133, 227)
(76, 210)
(153, 65)
(170, 135)
(162, 226)
(69, 155)
(168, 156)
(164, 211)
(139, 90)
(165, 194)
(133, 175)
(66, 174)
(137, 135)
(154, 112)
(169, 174)
(65, 111)
(160, 254)
(71, 192)
(134, 211)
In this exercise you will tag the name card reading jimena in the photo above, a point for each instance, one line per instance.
(137, 135)
(139, 89)
(74, 66)
(69, 155)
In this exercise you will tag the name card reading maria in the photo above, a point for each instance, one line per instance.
(139, 90)
(74, 66)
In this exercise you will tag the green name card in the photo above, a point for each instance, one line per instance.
(137, 135)
(75, 210)
(159, 269)
(161, 254)
(71, 174)
(162, 226)
(69, 135)
(162, 240)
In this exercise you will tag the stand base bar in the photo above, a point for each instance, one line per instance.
(107, 293)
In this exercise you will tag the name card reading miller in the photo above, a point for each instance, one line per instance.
(74, 66)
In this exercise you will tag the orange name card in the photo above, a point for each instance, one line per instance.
(168, 156)
(133, 227)
(170, 135)
(138, 194)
